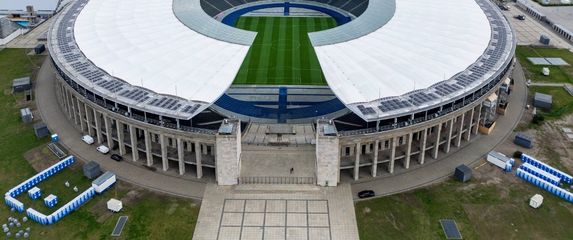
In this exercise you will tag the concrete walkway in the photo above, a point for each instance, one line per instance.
(470, 154)
(547, 84)
(276, 212)
(53, 116)
(30, 39)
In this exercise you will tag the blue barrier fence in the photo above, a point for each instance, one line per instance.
(14, 203)
(10, 196)
(541, 174)
(62, 211)
(557, 191)
(543, 166)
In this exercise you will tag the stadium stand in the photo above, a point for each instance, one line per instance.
(355, 7)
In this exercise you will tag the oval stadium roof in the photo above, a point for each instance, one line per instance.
(418, 53)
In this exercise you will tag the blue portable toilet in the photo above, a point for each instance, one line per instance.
(55, 138)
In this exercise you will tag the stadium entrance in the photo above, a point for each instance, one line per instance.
(278, 154)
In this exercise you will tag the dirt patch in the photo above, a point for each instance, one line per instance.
(40, 158)
(100, 211)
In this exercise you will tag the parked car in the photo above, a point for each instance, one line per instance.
(520, 17)
(366, 194)
(116, 157)
(103, 149)
(88, 139)
(504, 7)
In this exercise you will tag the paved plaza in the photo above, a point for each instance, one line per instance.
(276, 212)
(275, 219)
(268, 161)
(529, 30)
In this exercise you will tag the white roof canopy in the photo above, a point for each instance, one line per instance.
(144, 44)
(421, 45)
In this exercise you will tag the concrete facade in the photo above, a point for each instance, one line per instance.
(193, 151)
(229, 154)
(327, 159)
(151, 145)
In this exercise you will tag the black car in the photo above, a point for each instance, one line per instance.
(366, 194)
(504, 7)
(520, 17)
(117, 157)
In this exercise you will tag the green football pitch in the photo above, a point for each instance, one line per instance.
(282, 53)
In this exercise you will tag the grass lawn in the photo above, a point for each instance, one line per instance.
(55, 185)
(559, 74)
(562, 102)
(151, 216)
(282, 53)
(482, 210)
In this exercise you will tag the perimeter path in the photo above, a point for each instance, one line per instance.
(470, 154)
(52, 115)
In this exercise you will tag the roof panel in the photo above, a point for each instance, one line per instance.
(420, 46)
(148, 46)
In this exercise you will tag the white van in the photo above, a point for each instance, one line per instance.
(103, 149)
(88, 139)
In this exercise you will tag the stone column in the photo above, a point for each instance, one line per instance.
(164, 160)
(476, 127)
(228, 147)
(449, 141)
(408, 152)
(327, 155)
(181, 156)
(437, 143)
(68, 103)
(469, 131)
(89, 120)
(375, 159)
(120, 137)
(74, 109)
(392, 155)
(422, 155)
(98, 127)
(198, 160)
(148, 150)
(108, 131)
(81, 113)
(357, 161)
(134, 148)
(460, 130)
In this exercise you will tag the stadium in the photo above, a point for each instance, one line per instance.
(357, 88)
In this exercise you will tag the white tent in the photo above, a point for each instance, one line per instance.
(114, 205)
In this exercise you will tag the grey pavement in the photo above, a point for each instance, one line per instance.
(273, 212)
(53, 116)
(546, 84)
(30, 39)
(529, 30)
(470, 154)
(562, 15)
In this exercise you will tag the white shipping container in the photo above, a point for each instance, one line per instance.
(498, 159)
(536, 201)
(103, 182)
